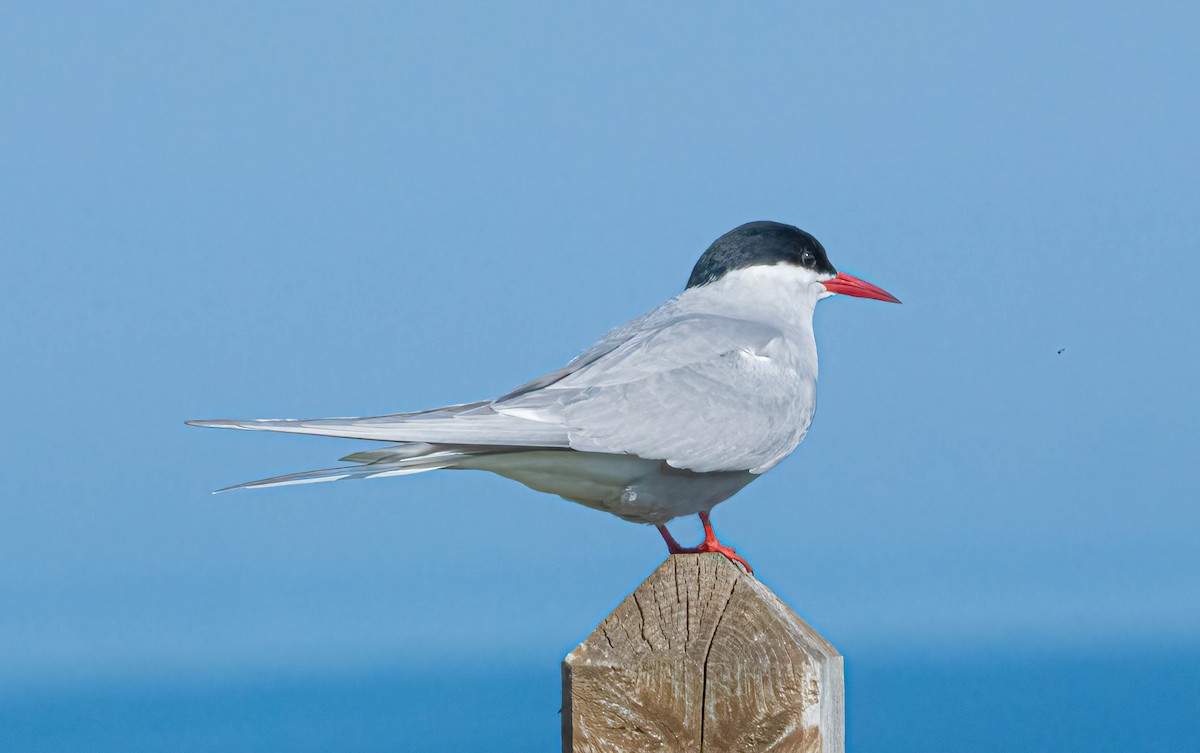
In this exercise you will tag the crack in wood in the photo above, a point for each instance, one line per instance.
(642, 620)
(606, 636)
(704, 669)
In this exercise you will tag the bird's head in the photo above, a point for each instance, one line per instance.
(772, 244)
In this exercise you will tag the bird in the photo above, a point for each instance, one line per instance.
(665, 416)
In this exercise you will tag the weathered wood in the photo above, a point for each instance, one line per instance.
(703, 657)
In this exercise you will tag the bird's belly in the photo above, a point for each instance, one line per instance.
(630, 487)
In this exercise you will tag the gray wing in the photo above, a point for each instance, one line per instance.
(467, 424)
(700, 391)
(611, 341)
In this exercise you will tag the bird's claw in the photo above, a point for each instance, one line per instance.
(716, 547)
(727, 552)
(709, 545)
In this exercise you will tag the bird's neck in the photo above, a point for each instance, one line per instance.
(783, 296)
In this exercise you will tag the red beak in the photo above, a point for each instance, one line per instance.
(847, 285)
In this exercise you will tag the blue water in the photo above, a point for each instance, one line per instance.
(1031, 703)
(1118, 702)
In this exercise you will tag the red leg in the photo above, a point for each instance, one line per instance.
(672, 545)
(710, 544)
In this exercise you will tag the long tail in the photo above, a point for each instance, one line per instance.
(470, 424)
(429, 440)
(401, 460)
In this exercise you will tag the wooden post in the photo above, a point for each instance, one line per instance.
(703, 657)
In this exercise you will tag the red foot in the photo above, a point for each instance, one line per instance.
(710, 544)
(729, 552)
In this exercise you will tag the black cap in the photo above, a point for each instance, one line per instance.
(759, 243)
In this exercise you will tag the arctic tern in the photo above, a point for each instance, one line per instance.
(667, 415)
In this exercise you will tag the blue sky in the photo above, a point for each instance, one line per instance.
(224, 211)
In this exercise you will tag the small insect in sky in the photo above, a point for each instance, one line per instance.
(1061, 351)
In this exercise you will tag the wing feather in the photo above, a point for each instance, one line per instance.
(471, 424)
(703, 392)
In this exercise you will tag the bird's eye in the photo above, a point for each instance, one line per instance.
(807, 259)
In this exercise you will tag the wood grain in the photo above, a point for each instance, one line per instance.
(703, 657)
